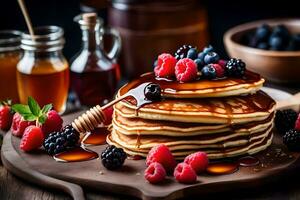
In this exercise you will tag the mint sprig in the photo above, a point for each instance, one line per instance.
(32, 111)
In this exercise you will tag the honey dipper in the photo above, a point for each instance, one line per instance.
(95, 116)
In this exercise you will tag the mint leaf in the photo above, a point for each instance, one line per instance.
(29, 117)
(42, 118)
(21, 109)
(46, 108)
(34, 106)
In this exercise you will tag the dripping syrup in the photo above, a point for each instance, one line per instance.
(248, 161)
(135, 157)
(78, 154)
(96, 137)
(222, 168)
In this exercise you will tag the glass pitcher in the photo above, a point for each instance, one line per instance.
(95, 73)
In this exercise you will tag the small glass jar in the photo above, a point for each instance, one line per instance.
(10, 54)
(43, 71)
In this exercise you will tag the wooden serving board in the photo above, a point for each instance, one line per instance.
(43, 170)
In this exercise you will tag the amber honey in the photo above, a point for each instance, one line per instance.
(43, 72)
(46, 81)
(8, 79)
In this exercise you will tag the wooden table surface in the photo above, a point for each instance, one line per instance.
(14, 188)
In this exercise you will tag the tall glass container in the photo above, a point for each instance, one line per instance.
(43, 71)
(10, 54)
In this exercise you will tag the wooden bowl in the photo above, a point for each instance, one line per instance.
(277, 66)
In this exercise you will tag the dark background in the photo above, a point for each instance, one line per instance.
(221, 15)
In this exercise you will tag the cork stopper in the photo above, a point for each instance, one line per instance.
(90, 18)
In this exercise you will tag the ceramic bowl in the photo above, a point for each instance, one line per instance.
(277, 66)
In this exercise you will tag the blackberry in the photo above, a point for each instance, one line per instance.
(235, 67)
(285, 120)
(292, 140)
(113, 158)
(152, 91)
(182, 52)
(58, 142)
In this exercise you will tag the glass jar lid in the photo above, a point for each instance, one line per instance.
(46, 38)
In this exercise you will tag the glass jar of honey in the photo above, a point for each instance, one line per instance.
(10, 54)
(43, 71)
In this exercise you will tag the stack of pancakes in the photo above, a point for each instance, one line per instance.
(224, 118)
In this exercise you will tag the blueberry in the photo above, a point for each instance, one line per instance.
(201, 55)
(209, 72)
(263, 45)
(263, 32)
(199, 64)
(192, 53)
(207, 49)
(276, 42)
(152, 91)
(281, 30)
(211, 57)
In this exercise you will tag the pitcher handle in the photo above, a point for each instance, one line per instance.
(115, 50)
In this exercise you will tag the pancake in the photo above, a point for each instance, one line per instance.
(249, 84)
(250, 148)
(134, 126)
(221, 140)
(236, 109)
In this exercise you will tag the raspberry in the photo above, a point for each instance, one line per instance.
(53, 123)
(186, 70)
(165, 65)
(161, 154)
(198, 161)
(108, 115)
(220, 71)
(155, 173)
(222, 62)
(19, 125)
(5, 117)
(297, 124)
(32, 139)
(184, 173)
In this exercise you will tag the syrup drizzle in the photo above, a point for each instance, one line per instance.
(171, 86)
(78, 154)
(96, 137)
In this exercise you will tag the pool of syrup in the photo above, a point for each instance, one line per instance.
(96, 137)
(78, 154)
(222, 168)
(248, 161)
